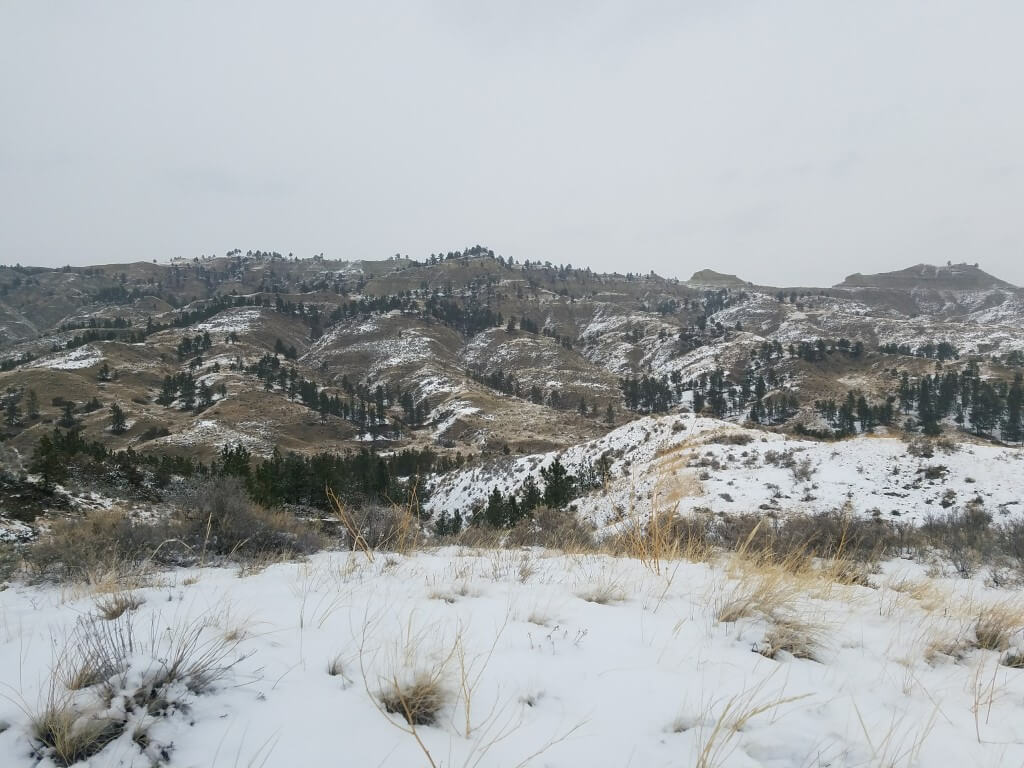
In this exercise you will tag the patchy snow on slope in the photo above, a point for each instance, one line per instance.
(539, 660)
(690, 463)
(255, 436)
(446, 415)
(234, 320)
(85, 356)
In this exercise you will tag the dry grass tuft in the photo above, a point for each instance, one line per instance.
(997, 623)
(1014, 660)
(955, 645)
(603, 592)
(793, 635)
(717, 744)
(924, 591)
(419, 700)
(69, 736)
(761, 589)
(113, 605)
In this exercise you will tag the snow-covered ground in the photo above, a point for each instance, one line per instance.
(235, 319)
(530, 670)
(81, 357)
(688, 463)
(255, 436)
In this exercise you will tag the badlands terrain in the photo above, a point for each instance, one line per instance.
(461, 510)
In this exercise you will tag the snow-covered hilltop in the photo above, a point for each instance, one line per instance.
(686, 463)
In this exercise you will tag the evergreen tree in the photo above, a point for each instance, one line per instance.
(559, 485)
(117, 419)
(1012, 427)
(532, 496)
(926, 409)
(12, 412)
(167, 392)
(32, 404)
(495, 513)
(67, 418)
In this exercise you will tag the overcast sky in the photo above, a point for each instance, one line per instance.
(787, 142)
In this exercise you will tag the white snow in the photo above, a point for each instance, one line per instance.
(552, 679)
(235, 319)
(255, 436)
(85, 356)
(674, 462)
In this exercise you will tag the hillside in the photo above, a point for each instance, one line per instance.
(951, 277)
(485, 361)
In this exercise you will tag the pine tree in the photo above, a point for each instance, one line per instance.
(559, 485)
(67, 419)
(926, 409)
(117, 419)
(167, 392)
(32, 404)
(532, 496)
(12, 412)
(494, 513)
(1012, 427)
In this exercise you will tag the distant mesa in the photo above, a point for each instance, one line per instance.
(962, 277)
(710, 277)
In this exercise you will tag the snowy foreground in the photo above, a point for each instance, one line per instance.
(538, 659)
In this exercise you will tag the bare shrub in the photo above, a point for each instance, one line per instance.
(731, 438)
(964, 536)
(384, 527)
(829, 535)
(921, 448)
(802, 470)
(101, 541)
(553, 529)
(220, 519)
(1009, 538)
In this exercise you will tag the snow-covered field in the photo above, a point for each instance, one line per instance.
(537, 660)
(688, 463)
